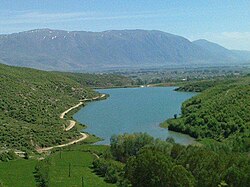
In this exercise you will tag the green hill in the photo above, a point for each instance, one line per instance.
(32, 100)
(221, 112)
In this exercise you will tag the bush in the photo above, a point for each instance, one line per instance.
(42, 173)
(7, 156)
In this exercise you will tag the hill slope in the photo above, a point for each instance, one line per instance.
(31, 102)
(79, 50)
(220, 112)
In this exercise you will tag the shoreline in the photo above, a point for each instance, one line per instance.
(85, 135)
(70, 126)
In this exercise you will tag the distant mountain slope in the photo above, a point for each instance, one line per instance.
(245, 55)
(80, 50)
(216, 49)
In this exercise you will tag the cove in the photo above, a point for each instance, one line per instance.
(129, 110)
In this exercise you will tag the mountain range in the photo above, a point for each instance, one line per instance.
(80, 50)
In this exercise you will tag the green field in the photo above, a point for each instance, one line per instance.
(80, 163)
(18, 173)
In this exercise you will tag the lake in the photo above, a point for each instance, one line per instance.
(129, 110)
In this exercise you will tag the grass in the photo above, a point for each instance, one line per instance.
(98, 149)
(80, 164)
(18, 173)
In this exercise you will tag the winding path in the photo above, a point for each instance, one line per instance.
(70, 126)
(72, 122)
(84, 136)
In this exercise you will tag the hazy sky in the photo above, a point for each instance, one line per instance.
(222, 21)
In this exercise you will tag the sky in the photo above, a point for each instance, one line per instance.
(226, 22)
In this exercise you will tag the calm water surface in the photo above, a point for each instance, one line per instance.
(130, 110)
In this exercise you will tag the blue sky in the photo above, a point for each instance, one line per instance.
(223, 21)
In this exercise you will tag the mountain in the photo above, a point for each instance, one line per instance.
(244, 55)
(216, 49)
(222, 52)
(79, 50)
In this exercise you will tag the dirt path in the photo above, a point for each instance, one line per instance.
(96, 155)
(94, 98)
(84, 136)
(72, 122)
(73, 107)
(70, 126)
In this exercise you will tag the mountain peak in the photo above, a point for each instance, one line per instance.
(206, 42)
(78, 50)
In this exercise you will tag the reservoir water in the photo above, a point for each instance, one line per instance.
(129, 110)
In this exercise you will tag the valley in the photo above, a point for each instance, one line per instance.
(57, 154)
(99, 93)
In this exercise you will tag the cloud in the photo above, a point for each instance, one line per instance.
(38, 17)
(31, 17)
(16, 21)
(235, 35)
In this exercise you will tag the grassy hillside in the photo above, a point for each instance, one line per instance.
(220, 112)
(31, 102)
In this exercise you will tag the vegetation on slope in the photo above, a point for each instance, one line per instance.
(220, 112)
(198, 86)
(100, 80)
(31, 102)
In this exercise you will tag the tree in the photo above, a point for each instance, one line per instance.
(175, 116)
(149, 168)
(180, 177)
(235, 176)
(177, 150)
(205, 165)
(124, 146)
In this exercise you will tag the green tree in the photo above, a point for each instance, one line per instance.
(235, 176)
(124, 146)
(180, 177)
(149, 168)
